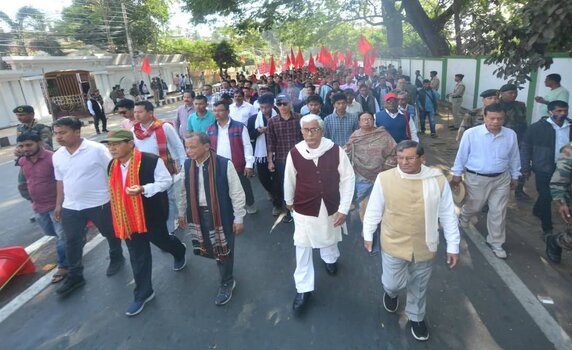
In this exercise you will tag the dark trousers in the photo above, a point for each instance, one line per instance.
(97, 118)
(278, 190)
(267, 180)
(247, 187)
(543, 206)
(427, 115)
(225, 267)
(141, 259)
(74, 223)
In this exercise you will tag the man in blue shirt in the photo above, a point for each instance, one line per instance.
(427, 104)
(340, 124)
(202, 118)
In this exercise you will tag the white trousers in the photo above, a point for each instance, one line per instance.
(304, 273)
(398, 274)
(494, 191)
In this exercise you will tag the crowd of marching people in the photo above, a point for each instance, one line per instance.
(321, 145)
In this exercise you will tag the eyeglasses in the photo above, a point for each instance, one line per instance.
(408, 159)
(311, 130)
(278, 104)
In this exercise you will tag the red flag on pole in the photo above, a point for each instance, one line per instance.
(348, 59)
(326, 58)
(340, 57)
(363, 45)
(292, 58)
(299, 59)
(272, 69)
(145, 66)
(368, 61)
(288, 62)
(355, 68)
(311, 65)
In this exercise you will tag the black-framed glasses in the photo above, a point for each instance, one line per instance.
(281, 104)
(311, 130)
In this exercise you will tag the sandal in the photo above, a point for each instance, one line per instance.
(59, 276)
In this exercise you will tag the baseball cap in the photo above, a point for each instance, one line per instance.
(283, 98)
(118, 136)
(389, 95)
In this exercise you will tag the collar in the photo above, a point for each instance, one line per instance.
(226, 125)
(340, 116)
(490, 133)
(203, 162)
(554, 125)
(393, 115)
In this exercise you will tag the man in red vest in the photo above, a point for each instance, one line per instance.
(318, 189)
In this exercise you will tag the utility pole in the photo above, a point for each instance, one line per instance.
(129, 43)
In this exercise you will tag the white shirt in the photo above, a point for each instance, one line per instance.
(174, 144)
(485, 153)
(84, 175)
(562, 136)
(412, 127)
(355, 108)
(90, 107)
(223, 144)
(163, 179)
(243, 112)
(235, 192)
(447, 217)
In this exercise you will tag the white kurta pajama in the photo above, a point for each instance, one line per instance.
(317, 232)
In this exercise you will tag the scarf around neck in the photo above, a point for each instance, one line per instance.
(127, 211)
(260, 150)
(157, 128)
(431, 201)
(314, 153)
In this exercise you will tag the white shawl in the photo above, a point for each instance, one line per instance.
(260, 151)
(314, 153)
(431, 200)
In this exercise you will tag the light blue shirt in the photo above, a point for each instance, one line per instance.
(562, 136)
(485, 153)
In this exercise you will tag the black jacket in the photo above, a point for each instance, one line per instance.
(537, 147)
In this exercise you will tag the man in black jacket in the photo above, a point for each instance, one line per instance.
(539, 153)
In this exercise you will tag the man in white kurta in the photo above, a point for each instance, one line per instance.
(318, 189)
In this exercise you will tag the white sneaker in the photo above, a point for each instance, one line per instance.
(499, 253)
(251, 209)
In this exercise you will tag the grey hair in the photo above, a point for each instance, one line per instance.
(308, 118)
(203, 138)
(405, 144)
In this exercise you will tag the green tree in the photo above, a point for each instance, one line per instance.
(224, 56)
(197, 52)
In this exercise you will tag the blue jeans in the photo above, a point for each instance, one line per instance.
(431, 116)
(54, 228)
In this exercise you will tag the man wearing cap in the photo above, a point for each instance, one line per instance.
(398, 125)
(488, 155)
(95, 108)
(241, 110)
(457, 100)
(539, 151)
(80, 169)
(475, 117)
(516, 119)
(557, 92)
(283, 134)
(410, 201)
(138, 184)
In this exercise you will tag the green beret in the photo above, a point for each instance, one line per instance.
(489, 93)
(23, 109)
(508, 87)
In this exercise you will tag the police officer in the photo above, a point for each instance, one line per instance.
(475, 117)
(561, 195)
(516, 120)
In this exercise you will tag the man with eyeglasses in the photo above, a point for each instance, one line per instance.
(283, 134)
(410, 201)
(318, 188)
(208, 93)
(125, 109)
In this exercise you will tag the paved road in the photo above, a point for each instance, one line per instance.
(470, 307)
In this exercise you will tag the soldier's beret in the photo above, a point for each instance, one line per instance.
(23, 109)
(508, 87)
(489, 93)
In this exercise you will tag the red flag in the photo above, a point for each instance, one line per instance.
(299, 59)
(363, 45)
(355, 68)
(311, 65)
(272, 69)
(326, 58)
(288, 62)
(262, 67)
(348, 59)
(340, 57)
(146, 67)
(368, 61)
(292, 58)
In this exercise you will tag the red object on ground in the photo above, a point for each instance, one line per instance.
(146, 67)
(311, 65)
(14, 261)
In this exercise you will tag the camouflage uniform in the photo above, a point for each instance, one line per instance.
(561, 191)
(471, 119)
(515, 118)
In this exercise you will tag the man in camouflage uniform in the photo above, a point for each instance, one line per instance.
(475, 117)
(515, 120)
(560, 189)
(25, 115)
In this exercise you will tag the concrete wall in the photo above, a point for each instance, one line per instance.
(562, 66)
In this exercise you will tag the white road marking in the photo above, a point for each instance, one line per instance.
(38, 244)
(40, 284)
(529, 302)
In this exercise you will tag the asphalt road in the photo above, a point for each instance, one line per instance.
(469, 307)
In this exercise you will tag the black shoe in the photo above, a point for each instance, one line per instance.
(97, 132)
(422, 131)
(433, 135)
(521, 195)
(105, 130)
(69, 285)
(114, 266)
(419, 330)
(300, 301)
(390, 304)
(332, 269)
(485, 209)
(553, 250)
(287, 218)
(180, 264)
(225, 293)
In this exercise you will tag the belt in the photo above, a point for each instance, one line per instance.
(486, 175)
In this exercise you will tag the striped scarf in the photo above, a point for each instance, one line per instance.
(217, 237)
(157, 128)
(127, 211)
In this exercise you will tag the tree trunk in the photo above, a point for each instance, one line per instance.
(457, 21)
(430, 30)
(393, 26)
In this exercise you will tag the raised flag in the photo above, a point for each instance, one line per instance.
(146, 67)
(292, 58)
(272, 69)
(355, 68)
(369, 61)
(348, 59)
(326, 58)
(299, 59)
(288, 62)
(312, 65)
(363, 45)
